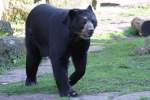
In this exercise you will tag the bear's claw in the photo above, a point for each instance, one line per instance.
(30, 83)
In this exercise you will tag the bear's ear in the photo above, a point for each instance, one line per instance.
(89, 8)
(73, 13)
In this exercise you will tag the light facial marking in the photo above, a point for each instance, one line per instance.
(88, 26)
(84, 17)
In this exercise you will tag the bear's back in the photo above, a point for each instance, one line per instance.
(45, 26)
(47, 9)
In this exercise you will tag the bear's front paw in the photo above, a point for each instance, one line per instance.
(30, 82)
(73, 93)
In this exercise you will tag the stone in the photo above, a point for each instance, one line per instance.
(140, 50)
(11, 48)
(133, 96)
(6, 27)
(144, 49)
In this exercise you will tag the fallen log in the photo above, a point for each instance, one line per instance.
(142, 26)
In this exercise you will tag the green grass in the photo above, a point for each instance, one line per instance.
(108, 36)
(113, 69)
(46, 85)
(145, 98)
(130, 31)
(137, 10)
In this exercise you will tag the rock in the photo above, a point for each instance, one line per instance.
(147, 41)
(141, 50)
(37, 96)
(145, 49)
(96, 48)
(134, 96)
(11, 49)
(6, 27)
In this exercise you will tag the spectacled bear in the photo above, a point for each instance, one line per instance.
(59, 34)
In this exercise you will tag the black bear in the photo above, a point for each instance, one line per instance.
(59, 34)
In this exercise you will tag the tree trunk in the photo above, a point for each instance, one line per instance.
(35, 1)
(47, 1)
(142, 26)
(94, 4)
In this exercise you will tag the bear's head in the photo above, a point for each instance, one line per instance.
(82, 22)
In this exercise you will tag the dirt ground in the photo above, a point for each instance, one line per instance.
(109, 18)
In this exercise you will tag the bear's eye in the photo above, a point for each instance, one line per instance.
(81, 27)
(94, 23)
(83, 22)
(85, 19)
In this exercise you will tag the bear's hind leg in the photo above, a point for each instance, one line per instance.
(33, 59)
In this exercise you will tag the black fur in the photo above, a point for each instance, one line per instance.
(50, 32)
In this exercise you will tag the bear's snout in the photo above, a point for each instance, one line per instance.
(90, 32)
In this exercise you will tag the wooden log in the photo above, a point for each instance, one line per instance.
(108, 4)
(142, 26)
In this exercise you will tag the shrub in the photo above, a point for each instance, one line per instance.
(131, 31)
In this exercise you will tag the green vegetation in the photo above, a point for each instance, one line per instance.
(145, 98)
(113, 69)
(26, 1)
(130, 31)
(108, 36)
(2, 33)
(46, 84)
(15, 63)
(136, 10)
(18, 26)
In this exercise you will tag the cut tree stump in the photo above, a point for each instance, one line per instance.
(142, 26)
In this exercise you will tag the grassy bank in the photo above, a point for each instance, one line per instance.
(113, 69)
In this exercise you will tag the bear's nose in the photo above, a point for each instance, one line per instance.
(90, 32)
